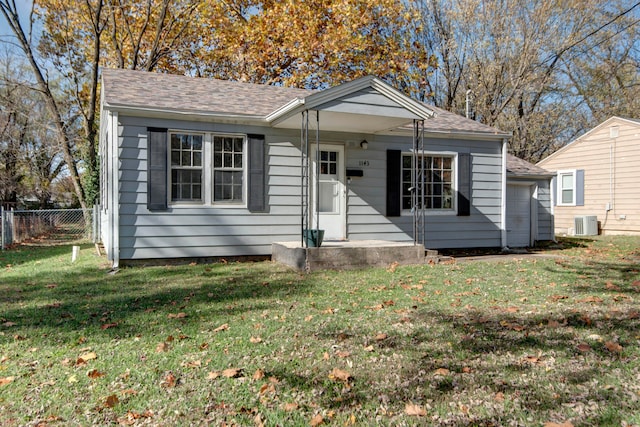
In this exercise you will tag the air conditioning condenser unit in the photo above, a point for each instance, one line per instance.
(586, 225)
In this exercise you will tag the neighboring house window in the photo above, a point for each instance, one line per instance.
(228, 172)
(570, 188)
(438, 182)
(186, 167)
(567, 188)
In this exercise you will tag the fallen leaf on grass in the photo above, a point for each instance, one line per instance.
(131, 417)
(613, 347)
(9, 324)
(591, 298)
(255, 340)
(94, 373)
(232, 373)
(532, 359)
(108, 326)
(111, 401)
(369, 348)
(343, 354)
(612, 287)
(258, 374)
(180, 315)
(316, 420)
(85, 357)
(163, 347)
(267, 388)
(499, 397)
(381, 337)
(564, 424)
(584, 347)
(192, 364)
(291, 406)
(213, 375)
(557, 297)
(6, 380)
(169, 381)
(339, 375)
(442, 371)
(221, 328)
(414, 410)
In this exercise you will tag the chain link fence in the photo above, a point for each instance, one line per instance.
(48, 226)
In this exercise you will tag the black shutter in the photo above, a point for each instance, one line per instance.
(464, 184)
(157, 169)
(256, 186)
(394, 172)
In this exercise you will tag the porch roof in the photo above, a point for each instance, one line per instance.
(365, 105)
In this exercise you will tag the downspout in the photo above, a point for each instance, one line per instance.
(503, 201)
(115, 198)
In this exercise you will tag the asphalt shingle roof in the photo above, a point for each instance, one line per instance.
(518, 167)
(168, 92)
(171, 92)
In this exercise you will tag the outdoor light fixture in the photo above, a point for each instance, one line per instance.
(364, 144)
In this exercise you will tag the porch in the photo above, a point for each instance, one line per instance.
(344, 255)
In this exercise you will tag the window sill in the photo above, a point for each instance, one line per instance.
(447, 212)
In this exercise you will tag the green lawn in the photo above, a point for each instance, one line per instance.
(516, 342)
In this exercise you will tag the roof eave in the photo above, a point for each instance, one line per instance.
(124, 108)
(461, 133)
(530, 176)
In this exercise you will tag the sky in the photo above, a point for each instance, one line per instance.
(24, 8)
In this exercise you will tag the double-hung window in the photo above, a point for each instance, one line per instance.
(186, 167)
(570, 188)
(207, 168)
(228, 169)
(567, 188)
(435, 176)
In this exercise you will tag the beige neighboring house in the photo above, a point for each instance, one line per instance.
(597, 184)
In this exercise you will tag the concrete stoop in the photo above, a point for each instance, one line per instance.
(351, 255)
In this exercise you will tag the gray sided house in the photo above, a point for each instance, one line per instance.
(196, 167)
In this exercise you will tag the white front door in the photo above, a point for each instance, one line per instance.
(331, 206)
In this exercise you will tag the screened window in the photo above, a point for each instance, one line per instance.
(228, 172)
(437, 180)
(186, 167)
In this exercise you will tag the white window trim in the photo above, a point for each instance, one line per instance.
(207, 171)
(559, 174)
(170, 169)
(245, 172)
(454, 183)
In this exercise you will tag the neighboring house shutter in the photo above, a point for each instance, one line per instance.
(554, 190)
(394, 164)
(580, 187)
(256, 187)
(157, 169)
(464, 184)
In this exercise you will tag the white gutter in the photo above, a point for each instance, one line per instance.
(278, 115)
(123, 108)
(503, 201)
